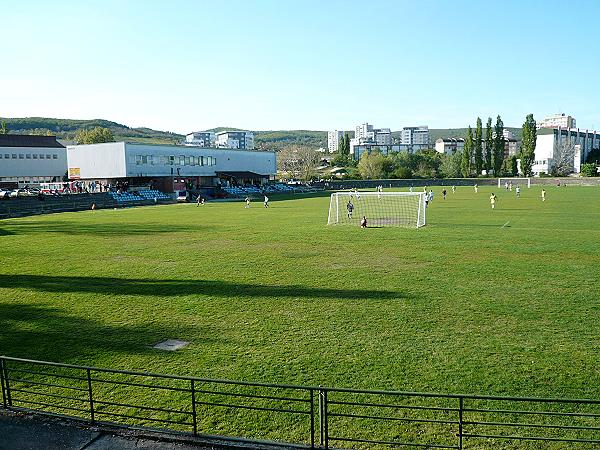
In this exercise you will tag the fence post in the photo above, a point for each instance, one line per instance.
(325, 420)
(2, 382)
(312, 418)
(460, 422)
(194, 420)
(321, 428)
(7, 401)
(90, 396)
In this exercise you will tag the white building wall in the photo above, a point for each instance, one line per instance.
(95, 161)
(26, 162)
(120, 160)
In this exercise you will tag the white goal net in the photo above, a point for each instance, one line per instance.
(502, 182)
(381, 209)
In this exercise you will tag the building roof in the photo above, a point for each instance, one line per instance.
(238, 175)
(26, 140)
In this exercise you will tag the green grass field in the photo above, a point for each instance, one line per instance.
(461, 305)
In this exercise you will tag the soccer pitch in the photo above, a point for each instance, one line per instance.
(478, 301)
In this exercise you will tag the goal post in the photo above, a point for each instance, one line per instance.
(381, 209)
(515, 181)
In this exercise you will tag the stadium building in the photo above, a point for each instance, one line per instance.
(169, 167)
(556, 143)
(29, 160)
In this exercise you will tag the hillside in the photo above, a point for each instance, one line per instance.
(66, 129)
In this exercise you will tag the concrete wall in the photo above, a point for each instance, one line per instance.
(28, 167)
(97, 161)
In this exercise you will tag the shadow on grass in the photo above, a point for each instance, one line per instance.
(107, 229)
(174, 288)
(49, 334)
(4, 232)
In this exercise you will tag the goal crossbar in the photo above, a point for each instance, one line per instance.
(380, 209)
(515, 181)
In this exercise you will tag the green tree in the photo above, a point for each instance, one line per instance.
(589, 170)
(478, 148)
(346, 143)
(4, 128)
(498, 149)
(341, 146)
(514, 167)
(467, 155)
(488, 146)
(450, 166)
(528, 145)
(371, 166)
(96, 135)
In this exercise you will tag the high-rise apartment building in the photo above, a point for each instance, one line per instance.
(333, 140)
(558, 120)
(418, 136)
(200, 139)
(242, 140)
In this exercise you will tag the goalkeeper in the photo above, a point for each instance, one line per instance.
(350, 208)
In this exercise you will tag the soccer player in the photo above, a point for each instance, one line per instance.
(363, 222)
(518, 191)
(476, 188)
(266, 202)
(199, 201)
(350, 208)
(357, 196)
(444, 194)
(431, 195)
(506, 185)
(510, 186)
(543, 195)
(410, 189)
(454, 189)
(247, 200)
(493, 200)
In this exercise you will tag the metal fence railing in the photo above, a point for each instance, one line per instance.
(302, 416)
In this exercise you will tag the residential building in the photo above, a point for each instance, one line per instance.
(360, 148)
(201, 139)
(415, 136)
(449, 146)
(167, 167)
(30, 160)
(333, 140)
(557, 121)
(550, 141)
(370, 137)
(241, 140)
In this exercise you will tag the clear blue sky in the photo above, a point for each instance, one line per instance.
(190, 65)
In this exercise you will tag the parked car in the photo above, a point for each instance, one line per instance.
(20, 193)
(4, 194)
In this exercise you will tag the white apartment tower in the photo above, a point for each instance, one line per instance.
(558, 121)
(200, 139)
(333, 140)
(242, 140)
(415, 135)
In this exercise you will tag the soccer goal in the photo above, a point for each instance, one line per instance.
(514, 181)
(382, 209)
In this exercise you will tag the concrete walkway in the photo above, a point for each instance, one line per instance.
(33, 432)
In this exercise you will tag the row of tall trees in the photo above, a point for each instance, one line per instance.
(474, 161)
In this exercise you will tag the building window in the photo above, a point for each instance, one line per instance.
(171, 160)
(47, 156)
(181, 160)
(41, 156)
(35, 156)
(6, 155)
(55, 156)
(28, 156)
(187, 161)
(138, 159)
(21, 156)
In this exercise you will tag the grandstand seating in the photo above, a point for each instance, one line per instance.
(238, 191)
(151, 194)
